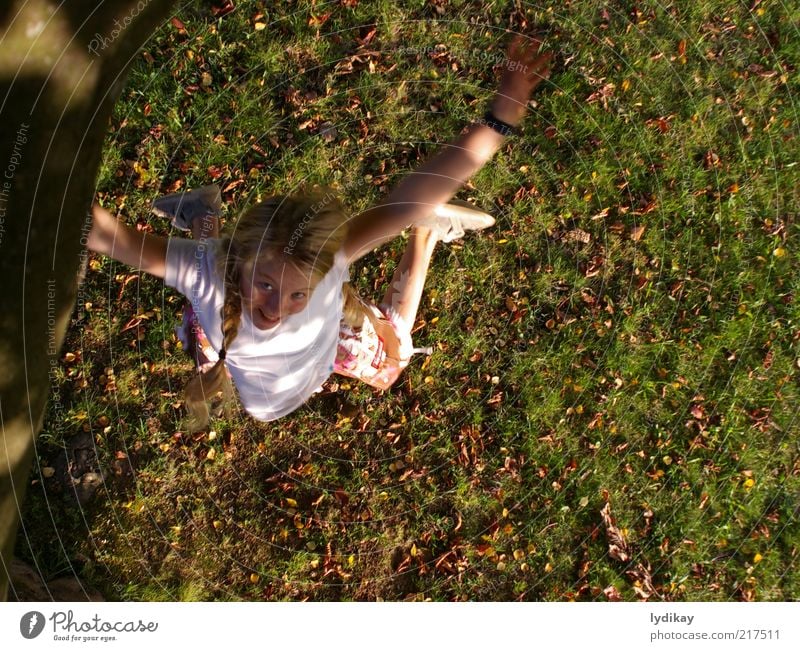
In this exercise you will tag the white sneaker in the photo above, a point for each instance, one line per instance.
(184, 207)
(450, 220)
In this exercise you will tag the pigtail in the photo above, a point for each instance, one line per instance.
(204, 386)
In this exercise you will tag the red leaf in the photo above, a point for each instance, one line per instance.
(214, 172)
(224, 9)
(176, 22)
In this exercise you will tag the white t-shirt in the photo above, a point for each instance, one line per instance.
(276, 370)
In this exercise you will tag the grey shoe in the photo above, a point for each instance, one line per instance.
(184, 207)
(450, 220)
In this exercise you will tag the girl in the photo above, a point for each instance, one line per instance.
(269, 302)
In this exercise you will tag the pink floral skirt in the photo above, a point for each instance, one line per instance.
(377, 350)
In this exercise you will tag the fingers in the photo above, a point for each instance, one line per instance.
(541, 67)
(527, 52)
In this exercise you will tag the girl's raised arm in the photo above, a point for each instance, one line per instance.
(117, 240)
(438, 179)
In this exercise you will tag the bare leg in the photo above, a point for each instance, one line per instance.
(405, 290)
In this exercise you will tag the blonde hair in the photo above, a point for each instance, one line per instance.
(307, 229)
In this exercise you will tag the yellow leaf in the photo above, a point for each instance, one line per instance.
(254, 578)
(626, 84)
(757, 558)
(259, 26)
(291, 502)
(779, 252)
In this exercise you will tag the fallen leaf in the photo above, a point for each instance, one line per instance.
(178, 24)
(328, 131)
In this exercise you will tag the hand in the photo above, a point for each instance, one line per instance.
(103, 228)
(523, 70)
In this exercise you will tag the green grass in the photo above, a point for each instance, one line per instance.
(653, 369)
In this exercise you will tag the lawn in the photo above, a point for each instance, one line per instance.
(611, 408)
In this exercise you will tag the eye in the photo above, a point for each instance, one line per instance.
(267, 287)
(297, 296)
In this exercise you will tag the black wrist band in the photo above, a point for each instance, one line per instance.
(503, 128)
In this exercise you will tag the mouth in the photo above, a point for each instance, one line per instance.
(270, 323)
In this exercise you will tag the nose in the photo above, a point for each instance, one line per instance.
(272, 305)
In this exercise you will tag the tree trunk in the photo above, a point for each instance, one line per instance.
(62, 67)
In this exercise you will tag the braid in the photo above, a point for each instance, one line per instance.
(204, 386)
(232, 307)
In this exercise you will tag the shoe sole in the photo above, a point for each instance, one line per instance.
(462, 217)
(203, 201)
(471, 218)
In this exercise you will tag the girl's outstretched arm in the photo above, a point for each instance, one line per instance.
(117, 240)
(438, 179)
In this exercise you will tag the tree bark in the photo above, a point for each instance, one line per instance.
(62, 67)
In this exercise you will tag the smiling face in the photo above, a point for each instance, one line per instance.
(272, 289)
